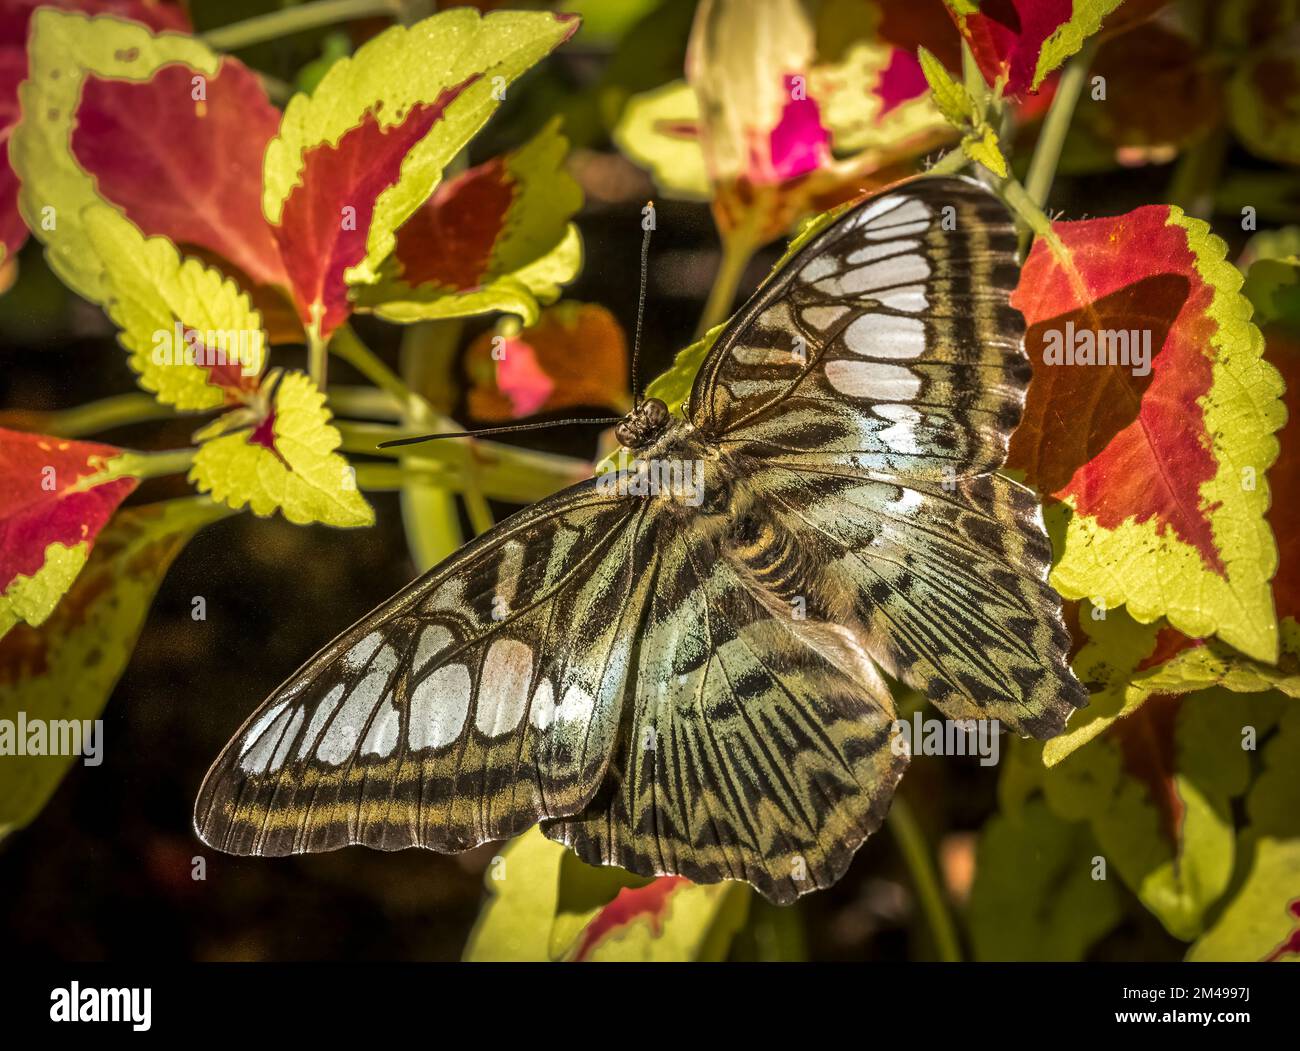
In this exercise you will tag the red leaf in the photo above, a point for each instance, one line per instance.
(14, 18)
(448, 242)
(207, 195)
(318, 238)
(1121, 446)
(1006, 37)
(39, 507)
(629, 904)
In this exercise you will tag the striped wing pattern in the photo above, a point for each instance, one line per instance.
(752, 751)
(484, 697)
(701, 690)
(886, 344)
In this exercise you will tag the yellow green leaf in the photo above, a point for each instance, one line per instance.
(402, 68)
(1123, 666)
(1071, 909)
(982, 147)
(286, 461)
(160, 301)
(514, 245)
(952, 99)
(660, 131)
(66, 668)
(1261, 922)
(64, 48)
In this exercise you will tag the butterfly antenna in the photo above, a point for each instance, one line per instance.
(393, 442)
(648, 225)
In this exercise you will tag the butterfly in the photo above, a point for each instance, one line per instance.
(687, 671)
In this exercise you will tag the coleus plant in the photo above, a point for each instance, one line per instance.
(1168, 488)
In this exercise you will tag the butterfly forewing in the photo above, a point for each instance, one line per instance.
(886, 344)
(482, 698)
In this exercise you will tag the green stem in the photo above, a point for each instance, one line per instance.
(278, 24)
(916, 853)
(1056, 125)
(144, 465)
(476, 506)
(738, 248)
(949, 164)
(346, 345)
(1032, 216)
(503, 472)
(430, 516)
(363, 403)
(317, 359)
(101, 415)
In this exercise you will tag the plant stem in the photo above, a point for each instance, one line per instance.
(317, 359)
(916, 853)
(144, 465)
(1032, 216)
(430, 516)
(738, 248)
(348, 346)
(1051, 139)
(504, 472)
(101, 415)
(278, 24)
(363, 403)
(949, 164)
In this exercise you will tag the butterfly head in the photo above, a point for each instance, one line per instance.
(643, 425)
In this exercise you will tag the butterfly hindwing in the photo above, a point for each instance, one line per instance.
(752, 752)
(947, 587)
(482, 698)
(887, 343)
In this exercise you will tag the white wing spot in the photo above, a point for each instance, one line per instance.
(885, 274)
(543, 706)
(822, 318)
(901, 436)
(355, 659)
(255, 761)
(576, 707)
(266, 718)
(869, 379)
(819, 268)
(433, 640)
(319, 718)
(384, 729)
(886, 336)
(439, 706)
(286, 741)
(881, 250)
(909, 299)
(345, 730)
(908, 501)
(503, 688)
